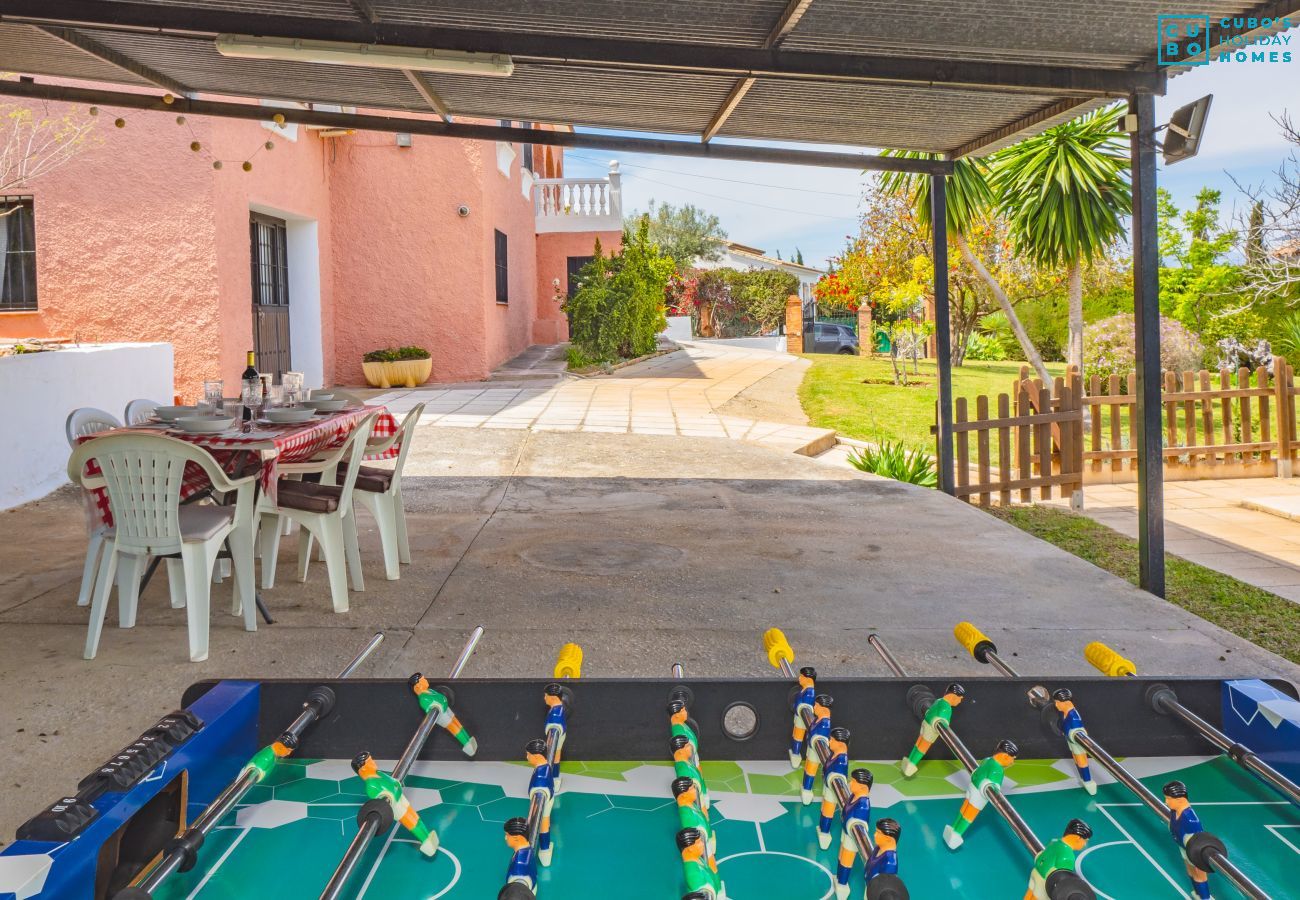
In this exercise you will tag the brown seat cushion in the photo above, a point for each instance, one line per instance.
(304, 495)
(370, 478)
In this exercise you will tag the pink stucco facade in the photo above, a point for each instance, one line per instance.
(138, 238)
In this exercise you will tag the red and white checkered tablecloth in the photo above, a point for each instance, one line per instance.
(266, 446)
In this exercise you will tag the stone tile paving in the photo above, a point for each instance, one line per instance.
(675, 394)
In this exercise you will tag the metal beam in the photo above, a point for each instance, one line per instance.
(428, 93)
(116, 59)
(942, 328)
(552, 49)
(364, 10)
(1146, 335)
(785, 23)
(1015, 127)
(416, 125)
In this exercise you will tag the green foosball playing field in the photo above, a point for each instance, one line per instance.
(614, 821)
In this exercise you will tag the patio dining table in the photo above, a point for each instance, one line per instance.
(265, 447)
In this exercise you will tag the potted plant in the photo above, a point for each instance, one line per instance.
(393, 366)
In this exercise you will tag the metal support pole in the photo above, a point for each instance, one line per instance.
(189, 843)
(1146, 333)
(368, 830)
(942, 329)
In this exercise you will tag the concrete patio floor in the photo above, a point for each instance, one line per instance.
(646, 549)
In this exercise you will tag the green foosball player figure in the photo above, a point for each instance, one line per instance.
(381, 786)
(429, 699)
(701, 881)
(1057, 861)
(264, 760)
(987, 777)
(940, 711)
(690, 815)
(683, 752)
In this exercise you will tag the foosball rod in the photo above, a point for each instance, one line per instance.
(959, 750)
(1163, 699)
(983, 649)
(318, 703)
(780, 655)
(366, 833)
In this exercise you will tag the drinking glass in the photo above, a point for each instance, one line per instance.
(211, 396)
(275, 396)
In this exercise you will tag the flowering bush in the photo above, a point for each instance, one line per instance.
(839, 290)
(681, 295)
(1108, 347)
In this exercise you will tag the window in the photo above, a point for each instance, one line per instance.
(528, 151)
(17, 254)
(575, 266)
(503, 269)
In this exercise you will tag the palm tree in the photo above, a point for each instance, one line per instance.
(1065, 193)
(967, 196)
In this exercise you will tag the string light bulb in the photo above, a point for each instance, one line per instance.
(248, 166)
(168, 99)
(278, 118)
(120, 123)
(269, 145)
(195, 146)
(94, 110)
(180, 120)
(216, 164)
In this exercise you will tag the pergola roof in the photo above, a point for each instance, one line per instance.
(873, 73)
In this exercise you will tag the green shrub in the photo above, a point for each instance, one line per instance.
(618, 309)
(1288, 337)
(894, 460)
(579, 360)
(982, 347)
(396, 354)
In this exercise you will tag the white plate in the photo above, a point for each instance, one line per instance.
(172, 413)
(204, 424)
(325, 405)
(289, 416)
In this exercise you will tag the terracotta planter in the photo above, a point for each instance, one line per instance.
(404, 373)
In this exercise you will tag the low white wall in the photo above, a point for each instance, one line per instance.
(767, 342)
(38, 390)
(679, 328)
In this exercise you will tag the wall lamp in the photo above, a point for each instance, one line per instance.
(332, 53)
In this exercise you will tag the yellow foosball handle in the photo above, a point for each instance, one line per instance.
(971, 638)
(777, 647)
(569, 663)
(1107, 661)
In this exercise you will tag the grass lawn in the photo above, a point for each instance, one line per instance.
(855, 395)
(1262, 618)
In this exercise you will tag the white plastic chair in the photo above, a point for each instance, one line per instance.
(323, 512)
(143, 474)
(81, 422)
(138, 411)
(380, 491)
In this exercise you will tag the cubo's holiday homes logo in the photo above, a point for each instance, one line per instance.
(1195, 40)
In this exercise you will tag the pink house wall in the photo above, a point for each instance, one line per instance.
(553, 251)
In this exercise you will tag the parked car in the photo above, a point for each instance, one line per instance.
(831, 338)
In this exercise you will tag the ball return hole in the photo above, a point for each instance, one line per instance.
(740, 721)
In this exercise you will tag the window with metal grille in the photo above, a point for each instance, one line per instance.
(270, 261)
(503, 269)
(17, 254)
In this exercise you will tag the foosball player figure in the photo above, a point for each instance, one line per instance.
(430, 699)
(939, 711)
(264, 760)
(557, 721)
(683, 753)
(1071, 725)
(700, 879)
(857, 814)
(802, 703)
(523, 865)
(542, 786)
(987, 777)
(835, 772)
(381, 786)
(882, 875)
(1057, 861)
(677, 718)
(690, 815)
(818, 735)
(1184, 825)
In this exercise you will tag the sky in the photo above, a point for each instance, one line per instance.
(783, 207)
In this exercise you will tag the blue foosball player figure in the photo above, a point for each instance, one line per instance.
(818, 735)
(803, 703)
(1071, 725)
(1184, 824)
(856, 815)
(542, 786)
(882, 875)
(835, 772)
(557, 722)
(523, 865)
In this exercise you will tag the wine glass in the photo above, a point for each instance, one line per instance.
(252, 398)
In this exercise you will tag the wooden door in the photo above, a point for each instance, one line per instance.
(270, 268)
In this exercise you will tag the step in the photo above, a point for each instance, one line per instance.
(1284, 506)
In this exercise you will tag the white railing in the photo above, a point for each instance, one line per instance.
(579, 204)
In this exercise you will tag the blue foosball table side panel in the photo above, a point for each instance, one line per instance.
(1266, 720)
(206, 763)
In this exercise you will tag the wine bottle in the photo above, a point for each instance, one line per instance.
(251, 381)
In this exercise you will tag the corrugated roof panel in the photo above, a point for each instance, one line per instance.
(29, 51)
(307, 9)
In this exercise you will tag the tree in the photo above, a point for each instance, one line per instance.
(968, 195)
(33, 145)
(686, 233)
(798, 256)
(1254, 249)
(1066, 194)
(1202, 289)
(618, 309)
(1274, 273)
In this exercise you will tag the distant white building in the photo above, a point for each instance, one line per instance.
(738, 256)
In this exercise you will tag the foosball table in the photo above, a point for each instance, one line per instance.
(798, 787)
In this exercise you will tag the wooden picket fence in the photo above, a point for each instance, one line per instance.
(1052, 439)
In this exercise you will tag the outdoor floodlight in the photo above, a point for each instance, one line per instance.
(332, 53)
(1186, 126)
